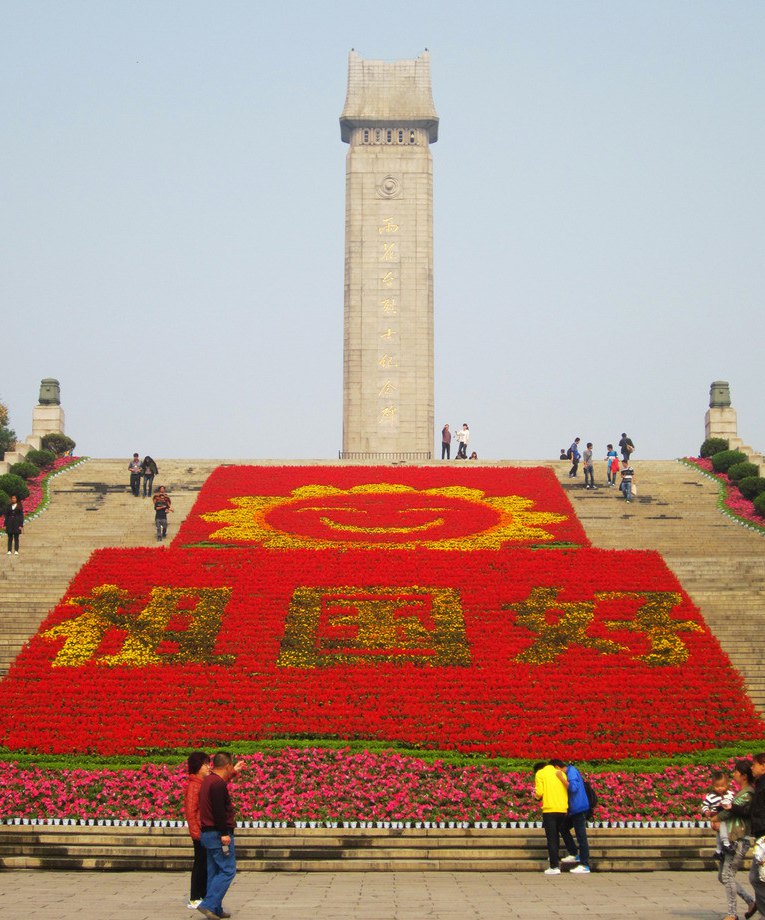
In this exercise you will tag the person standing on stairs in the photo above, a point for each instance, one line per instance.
(134, 468)
(162, 504)
(148, 470)
(14, 523)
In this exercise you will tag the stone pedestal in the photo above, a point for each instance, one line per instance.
(721, 422)
(45, 420)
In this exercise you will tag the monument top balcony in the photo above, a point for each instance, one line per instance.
(382, 93)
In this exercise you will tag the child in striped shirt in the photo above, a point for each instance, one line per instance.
(719, 799)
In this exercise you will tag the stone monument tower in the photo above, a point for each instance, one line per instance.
(389, 121)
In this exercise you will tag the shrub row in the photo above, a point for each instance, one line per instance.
(741, 473)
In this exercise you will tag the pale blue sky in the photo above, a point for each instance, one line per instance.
(172, 222)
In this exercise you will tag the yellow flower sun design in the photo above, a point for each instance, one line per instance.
(383, 515)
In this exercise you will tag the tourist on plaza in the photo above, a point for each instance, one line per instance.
(463, 437)
(626, 486)
(446, 442)
(14, 524)
(626, 447)
(162, 504)
(574, 457)
(576, 818)
(588, 467)
(733, 826)
(216, 819)
(757, 818)
(135, 475)
(148, 471)
(198, 767)
(551, 787)
(612, 464)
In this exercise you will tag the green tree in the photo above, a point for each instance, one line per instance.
(7, 435)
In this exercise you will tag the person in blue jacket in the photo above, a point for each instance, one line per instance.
(576, 818)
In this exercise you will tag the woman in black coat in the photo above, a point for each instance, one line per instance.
(757, 817)
(14, 524)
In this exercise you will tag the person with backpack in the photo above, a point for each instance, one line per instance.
(626, 447)
(576, 818)
(574, 457)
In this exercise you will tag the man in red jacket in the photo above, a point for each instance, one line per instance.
(216, 819)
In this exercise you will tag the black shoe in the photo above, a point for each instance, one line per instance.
(208, 913)
(751, 912)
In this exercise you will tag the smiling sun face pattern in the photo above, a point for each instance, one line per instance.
(383, 515)
(376, 508)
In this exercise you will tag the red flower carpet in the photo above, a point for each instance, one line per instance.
(456, 608)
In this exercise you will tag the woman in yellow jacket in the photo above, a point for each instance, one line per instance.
(551, 786)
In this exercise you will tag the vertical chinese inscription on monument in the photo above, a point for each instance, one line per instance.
(387, 353)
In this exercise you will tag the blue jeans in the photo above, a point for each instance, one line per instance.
(221, 869)
(579, 824)
(589, 476)
(626, 488)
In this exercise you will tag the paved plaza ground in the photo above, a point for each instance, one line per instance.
(368, 896)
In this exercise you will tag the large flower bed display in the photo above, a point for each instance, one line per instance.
(455, 608)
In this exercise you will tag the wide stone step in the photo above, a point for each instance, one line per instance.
(353, 849)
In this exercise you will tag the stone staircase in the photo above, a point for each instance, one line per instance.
(719, 563)
(91, 507)
(352, 849)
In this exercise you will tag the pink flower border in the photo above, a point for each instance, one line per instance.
(317, 786)
(729, 500)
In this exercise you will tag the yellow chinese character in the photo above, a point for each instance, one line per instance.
(389, 305)
(388, 279)
(653, 619)
(388, 388)
(366, 625)
(388, 334)
(389, 252)
(387, 361)
(105, 609)
(388, 226)
(388, 414)
(569, 627)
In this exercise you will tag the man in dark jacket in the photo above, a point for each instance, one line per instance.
(216, 819)
(14, 523)
(757, 814)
